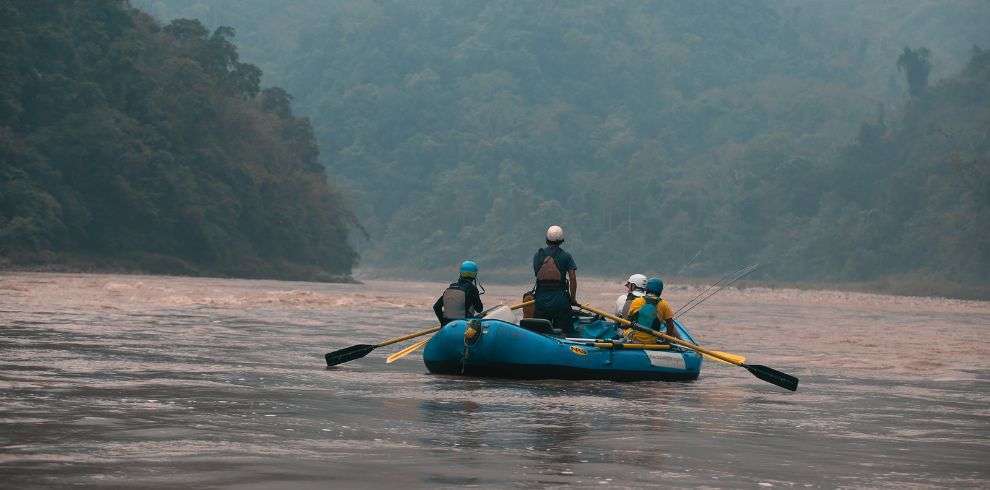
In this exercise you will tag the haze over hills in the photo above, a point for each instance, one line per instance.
(655, 132)
(667, 137)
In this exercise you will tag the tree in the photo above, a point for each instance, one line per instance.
(916, 65)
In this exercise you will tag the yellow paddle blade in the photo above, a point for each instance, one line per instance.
(734, 357)
(405, 352)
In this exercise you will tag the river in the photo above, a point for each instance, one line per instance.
(141, 381)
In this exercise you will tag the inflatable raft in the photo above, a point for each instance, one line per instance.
(502, 348)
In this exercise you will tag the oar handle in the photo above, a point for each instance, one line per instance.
(661, 335)
(407, 337)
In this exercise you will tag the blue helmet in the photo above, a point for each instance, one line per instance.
(654, 285)
(469, 269)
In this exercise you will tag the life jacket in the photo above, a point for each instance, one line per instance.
(549, 274)
(647, 314)
(455, 302)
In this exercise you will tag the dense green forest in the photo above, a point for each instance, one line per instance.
(839, 141)
(790, 133)
(125, 144)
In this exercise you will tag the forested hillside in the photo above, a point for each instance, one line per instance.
(912, 194)
(655, 132)
(125, 144)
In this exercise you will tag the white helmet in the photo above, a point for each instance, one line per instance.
(637, 280)
(555, 234)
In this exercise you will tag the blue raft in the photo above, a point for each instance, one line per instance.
(507, 350)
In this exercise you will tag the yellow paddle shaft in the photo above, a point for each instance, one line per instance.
(522, 305)
(660, 335)
(434, 329)
(405, 352)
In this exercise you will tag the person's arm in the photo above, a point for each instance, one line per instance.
(438, 309)
(572, 285)
(475, 300)
(668, 319)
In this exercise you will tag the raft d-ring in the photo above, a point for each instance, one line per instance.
(473, 332)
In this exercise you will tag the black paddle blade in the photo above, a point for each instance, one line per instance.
(348, 354)
(773, 376)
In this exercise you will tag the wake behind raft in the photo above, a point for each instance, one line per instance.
(500, 345)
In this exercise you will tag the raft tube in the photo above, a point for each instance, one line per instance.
(506, 350)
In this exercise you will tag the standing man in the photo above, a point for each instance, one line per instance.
(556, 282)
(461, 299)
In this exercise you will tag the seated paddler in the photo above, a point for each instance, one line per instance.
(461, 299)
(653, 312)
(635, 288)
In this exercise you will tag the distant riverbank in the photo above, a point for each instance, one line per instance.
(153, 264)
(150, 264)
(904, 285)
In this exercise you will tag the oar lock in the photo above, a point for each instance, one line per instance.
(472, 332)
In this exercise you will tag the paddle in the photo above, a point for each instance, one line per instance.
(353, 352)
(765, 373)
(734, 357)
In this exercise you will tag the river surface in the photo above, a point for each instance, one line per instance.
(138, 381)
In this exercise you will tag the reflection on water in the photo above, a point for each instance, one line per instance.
(132, 380)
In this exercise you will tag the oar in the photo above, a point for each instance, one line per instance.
(404, 352)
(413, 348)
(358, 351)
(353, 352)
(765, 373)
(736, 359)
(723, 354)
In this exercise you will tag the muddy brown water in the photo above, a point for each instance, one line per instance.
(137, 381)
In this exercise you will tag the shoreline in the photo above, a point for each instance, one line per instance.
(909, 286)
(175, 268)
